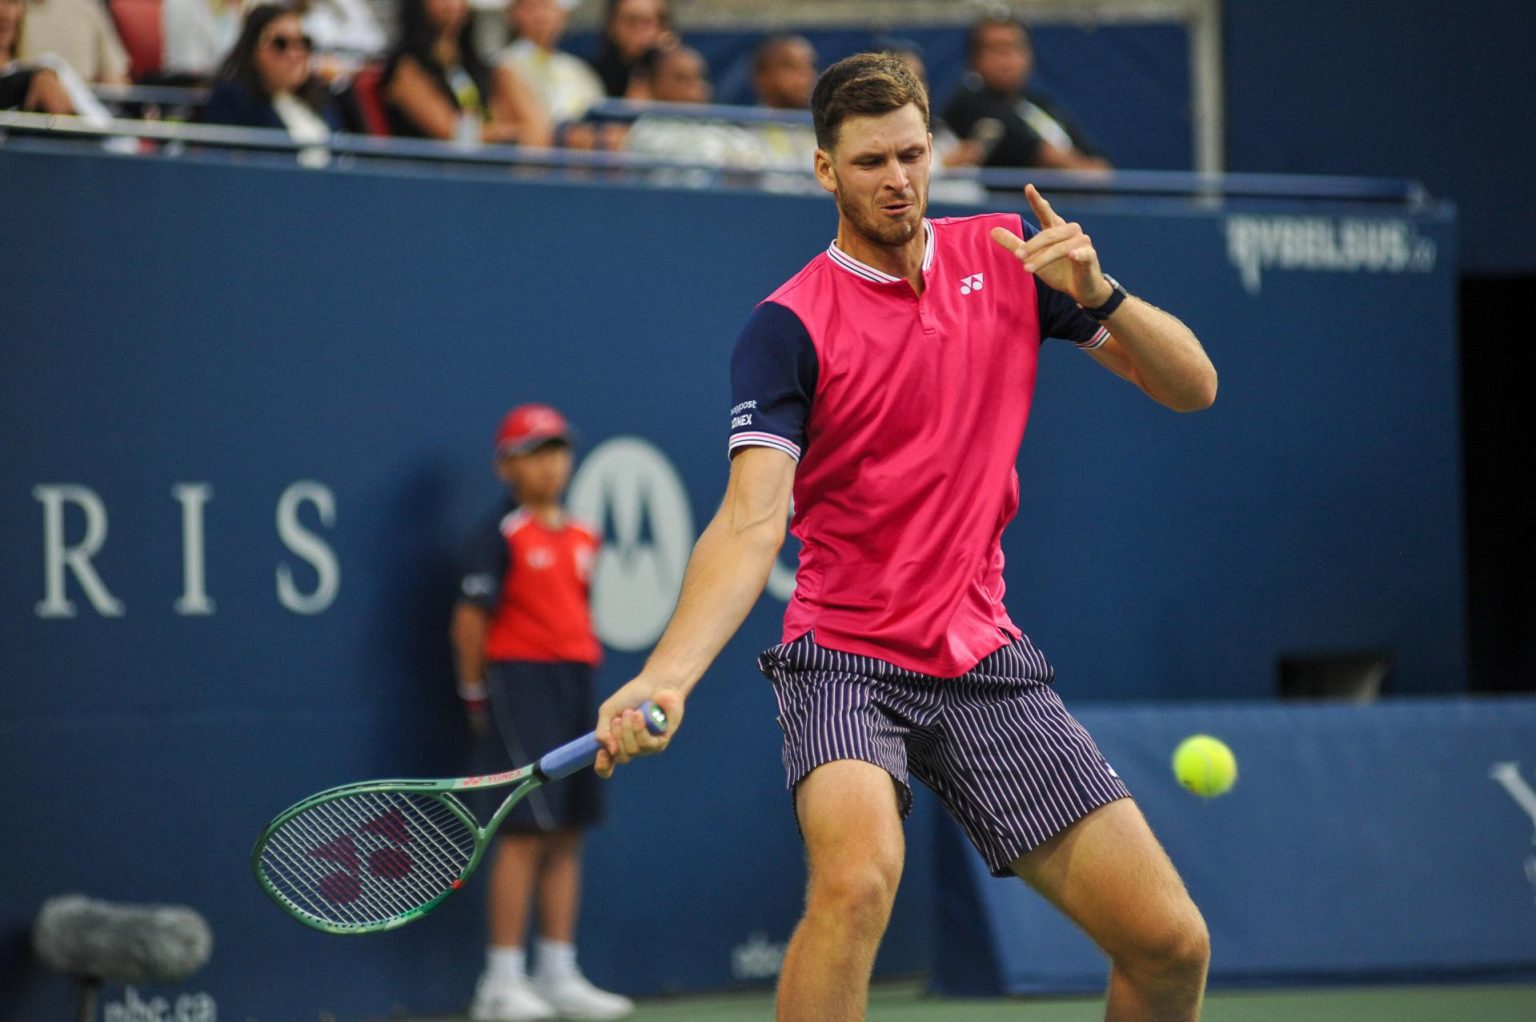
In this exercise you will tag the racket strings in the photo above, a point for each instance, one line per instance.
(364, 859)
(358, 861)
(320, 871)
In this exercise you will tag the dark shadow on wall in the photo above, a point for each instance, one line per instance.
(417, 539)
(1498, 431)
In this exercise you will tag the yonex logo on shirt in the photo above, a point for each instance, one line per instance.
(971, 283)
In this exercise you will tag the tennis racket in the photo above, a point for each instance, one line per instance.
(372, 856)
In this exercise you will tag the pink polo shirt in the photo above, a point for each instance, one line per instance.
(905, 414)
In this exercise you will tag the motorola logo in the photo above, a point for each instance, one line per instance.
(628, 490)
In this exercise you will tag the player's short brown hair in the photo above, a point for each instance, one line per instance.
(865, 84)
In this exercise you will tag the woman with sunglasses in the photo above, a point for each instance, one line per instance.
(436, 85)
(266, 81)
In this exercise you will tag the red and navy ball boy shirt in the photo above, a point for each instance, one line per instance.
(905, 414)
(536, 583)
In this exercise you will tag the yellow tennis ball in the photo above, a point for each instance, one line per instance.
(1205, 765)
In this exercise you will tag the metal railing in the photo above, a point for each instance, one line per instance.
(631, 109)
(150, 95)
(167, 139)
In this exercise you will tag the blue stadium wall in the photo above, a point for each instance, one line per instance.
(247, 413)
(1390, 843)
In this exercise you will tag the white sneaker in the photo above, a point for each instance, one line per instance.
(573, 997)
(499, 999)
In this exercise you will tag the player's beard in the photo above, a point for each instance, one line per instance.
(880, 230)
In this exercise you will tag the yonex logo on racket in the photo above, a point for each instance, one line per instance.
(971, 283)
(386, 860)
(491, 779)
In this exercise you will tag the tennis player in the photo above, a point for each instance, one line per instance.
(886, 388)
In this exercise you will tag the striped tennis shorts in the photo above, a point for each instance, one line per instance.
(996, 744)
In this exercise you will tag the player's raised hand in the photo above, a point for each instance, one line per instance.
(1061, 255)
(621, 729)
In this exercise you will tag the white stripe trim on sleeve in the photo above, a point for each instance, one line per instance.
(761, 439)
(1097, 340)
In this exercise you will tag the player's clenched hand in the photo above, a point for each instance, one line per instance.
(1060, 254)
(621, 728)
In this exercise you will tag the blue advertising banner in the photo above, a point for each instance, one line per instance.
(249, 410)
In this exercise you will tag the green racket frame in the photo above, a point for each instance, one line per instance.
(441, 794)
(376, 855)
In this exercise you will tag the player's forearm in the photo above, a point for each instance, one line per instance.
(726, 574)
(1162, 356)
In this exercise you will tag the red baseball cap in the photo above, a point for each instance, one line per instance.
(528, 426)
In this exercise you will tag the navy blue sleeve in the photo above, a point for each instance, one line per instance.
(773, 378)
(1060, 315)
(485, 565)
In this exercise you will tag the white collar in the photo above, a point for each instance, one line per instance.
(868, 272)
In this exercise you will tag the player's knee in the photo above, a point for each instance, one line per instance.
(860, 894)
(1176, 948)
(1190, 949)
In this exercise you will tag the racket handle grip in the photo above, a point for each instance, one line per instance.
(579, 754)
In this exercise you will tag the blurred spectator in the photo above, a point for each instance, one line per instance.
(1036, 133)
(345, 29)
(436, 85)
(565, 85)
(784, 72)
(22, 86)
(678, 74)
(267, 82)
(196, 35)
(633, 29)
(81, 34)
(783, 75)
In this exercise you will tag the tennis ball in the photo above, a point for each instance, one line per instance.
(1205, 765)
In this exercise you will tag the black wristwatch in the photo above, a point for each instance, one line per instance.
(1100, 313)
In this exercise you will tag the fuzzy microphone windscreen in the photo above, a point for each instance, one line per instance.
(121, 943)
